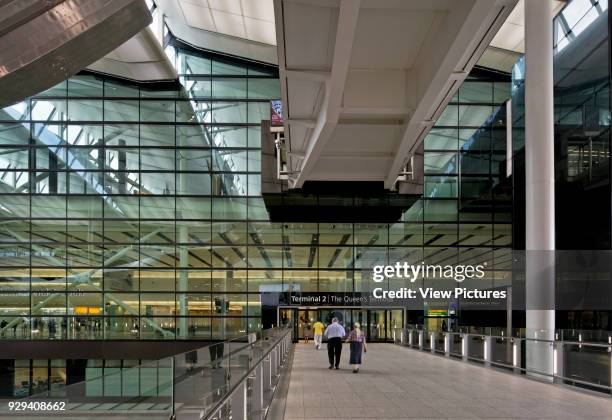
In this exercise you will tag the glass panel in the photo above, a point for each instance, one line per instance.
(258, 111)
(85, 110)
(442, 139)
(13, 134)
(119, 90)
(264, 89)
(82, 85)
(479, 92)
(229, 88)
(440, 163)
(226, 68)
(192, 136)
(158, 111)
(229, 112)
(124, 110)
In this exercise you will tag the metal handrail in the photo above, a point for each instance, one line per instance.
(247, 375)
(273, 336)
(464, 353)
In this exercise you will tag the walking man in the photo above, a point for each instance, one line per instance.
(318, 333)
(334, 333)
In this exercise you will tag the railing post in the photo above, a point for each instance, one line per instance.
(288, 342)
(283, 347)
(420, 339)
(257, 391)
(172, 388)
(267, 372)
(516, 355)
(464, 347)
(488, 344)
(239, 402)
(432, 342)
(410, 343)
(274, 363)
(282, 350)
(610, 353)
(558, 365)
(447, 344)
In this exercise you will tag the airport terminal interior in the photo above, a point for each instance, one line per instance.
(183, 179)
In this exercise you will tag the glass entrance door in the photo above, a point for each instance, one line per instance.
(378, 325)
(305, 321)
(381, 324)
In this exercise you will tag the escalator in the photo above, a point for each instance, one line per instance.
(45, 42)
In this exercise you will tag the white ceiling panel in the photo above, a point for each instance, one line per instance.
(390, 38)
(498, 59)
(511, 35)
(259, 30)
(441, 5)
(229, 24)
(312, 28)
(197, 16)
(258, 9)
(247, 19)
(299, 136)
(305, 102)
(367, 138)
(229, 6)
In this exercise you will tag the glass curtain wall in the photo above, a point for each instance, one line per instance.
(131, 212)
(581, 57)
(466, 210)
(124, 208)
(581, 69)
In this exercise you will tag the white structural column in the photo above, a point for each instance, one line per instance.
(540, 185)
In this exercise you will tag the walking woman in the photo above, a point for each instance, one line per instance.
(307, 331)
(358, 345)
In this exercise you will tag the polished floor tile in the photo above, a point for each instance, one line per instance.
(399, 383)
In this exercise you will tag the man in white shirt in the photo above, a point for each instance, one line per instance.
(334, 332)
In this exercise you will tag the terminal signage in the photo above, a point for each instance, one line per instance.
(345, 299)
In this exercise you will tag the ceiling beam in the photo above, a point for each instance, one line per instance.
(378, 111)
(334, 87)
(451, 69)
(304, 122)
(312, 75)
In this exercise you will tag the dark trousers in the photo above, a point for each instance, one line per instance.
(334, 350)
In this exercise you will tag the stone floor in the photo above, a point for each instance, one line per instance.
(399, 383)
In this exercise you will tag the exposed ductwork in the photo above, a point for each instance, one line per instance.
(45, 42)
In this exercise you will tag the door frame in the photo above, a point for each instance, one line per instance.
(296, 309)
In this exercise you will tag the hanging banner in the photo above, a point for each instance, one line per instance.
(276, 113)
